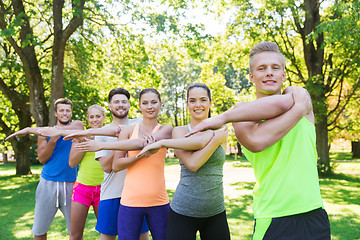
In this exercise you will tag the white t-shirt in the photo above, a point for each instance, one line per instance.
(113, 182)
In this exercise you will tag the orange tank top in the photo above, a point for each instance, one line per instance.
(144, 184)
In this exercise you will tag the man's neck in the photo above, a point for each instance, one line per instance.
(261, 95)
(59, 124)
(120, 121)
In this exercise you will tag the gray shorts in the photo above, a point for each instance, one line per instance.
(51, 196)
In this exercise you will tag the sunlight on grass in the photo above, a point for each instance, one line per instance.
(340, 194)
(23, 226)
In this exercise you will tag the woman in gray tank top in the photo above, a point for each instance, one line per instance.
(198, 202)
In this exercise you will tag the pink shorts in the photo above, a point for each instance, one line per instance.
(87, 195)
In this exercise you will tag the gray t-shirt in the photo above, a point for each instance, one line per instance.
(113, 182)
(201, 193)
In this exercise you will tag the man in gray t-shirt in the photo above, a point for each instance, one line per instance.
(113, 183)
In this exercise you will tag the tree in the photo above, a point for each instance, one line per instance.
(26, 33)
(320, 39)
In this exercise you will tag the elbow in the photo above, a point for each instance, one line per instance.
(106, 169)
(193, 167)
(72, 165)
(116, 167)
(42, 160)
(254, 146)
(287, 104)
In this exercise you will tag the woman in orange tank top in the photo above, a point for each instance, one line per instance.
(144, 192)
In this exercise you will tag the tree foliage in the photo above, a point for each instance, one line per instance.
(319, 39)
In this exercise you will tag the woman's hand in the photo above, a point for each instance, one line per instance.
(88, 146)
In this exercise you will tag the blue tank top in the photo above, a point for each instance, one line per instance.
(57, 168)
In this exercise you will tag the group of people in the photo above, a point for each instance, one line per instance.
(121, 171)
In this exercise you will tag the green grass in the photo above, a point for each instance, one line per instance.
(340, 193)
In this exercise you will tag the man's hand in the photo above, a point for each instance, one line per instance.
(49, 132)
(302, 99)
(19, 133)
(81, 134)
(210, 123)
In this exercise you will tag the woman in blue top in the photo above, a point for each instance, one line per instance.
(198, 202)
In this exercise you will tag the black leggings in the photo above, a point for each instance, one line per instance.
(182, 227)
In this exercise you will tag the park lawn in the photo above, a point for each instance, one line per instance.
(340, 194)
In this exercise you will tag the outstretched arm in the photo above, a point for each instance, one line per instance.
(257, 136)
(260, 109)
(47, 131)
(194, 160)
(193, 143)
(22, 132)
(111, 131)
(126, 144)
(46, 148)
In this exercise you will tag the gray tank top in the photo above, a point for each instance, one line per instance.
(201, 193)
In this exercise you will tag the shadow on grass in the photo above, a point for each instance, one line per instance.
(344, 227)
(340, 189)
(17, 201)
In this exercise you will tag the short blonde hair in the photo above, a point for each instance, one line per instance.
(98, 107)
(265, 47)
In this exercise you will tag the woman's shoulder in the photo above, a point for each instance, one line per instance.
(166, 127)
(180, 131)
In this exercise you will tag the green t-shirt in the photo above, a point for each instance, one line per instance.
(90, 172)
(286, 174)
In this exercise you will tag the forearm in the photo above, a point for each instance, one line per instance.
(75, 157)
(197, 159)
(46, 151)
(106, 162)
(267, 133)
(104, 131)
(124, 145)
(193, 143)
(123, 163)
(260, 109)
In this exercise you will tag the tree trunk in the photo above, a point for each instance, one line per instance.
(314, 57)
(5, 155)
(33, 76)
(355, 149)
(22, 154)
(239, 153)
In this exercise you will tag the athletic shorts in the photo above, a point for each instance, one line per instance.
(130, 220)
(85, 194)
(313, 225)
(182, 227)
(49, 197)
(108, 217)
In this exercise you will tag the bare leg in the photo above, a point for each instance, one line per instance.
(107, 237)
(79, 213)
(96, 210)
(40, 237)
(144, 236)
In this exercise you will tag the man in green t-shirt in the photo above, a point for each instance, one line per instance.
(282, 150)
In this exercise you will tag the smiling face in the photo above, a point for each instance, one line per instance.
(150, 105)
(267, 73)
(63, 113)
(119, 106)
(96, 118)
(198, 103)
